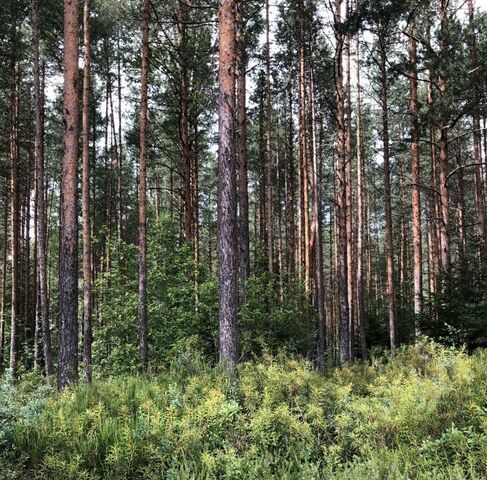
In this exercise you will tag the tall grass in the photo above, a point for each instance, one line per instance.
(420, 414)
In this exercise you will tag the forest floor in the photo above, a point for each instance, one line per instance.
(420, 414)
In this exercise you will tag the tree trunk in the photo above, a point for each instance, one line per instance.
(15, 217)
(26, 310)
(268, 150)
(342, 274)
(87, 301)
(291, 197)
(242, 150)
(227, 187)
(443, 144)
(184, 122)
(68, 268)
(435, 236)
(35, 279)
(460, 202)
(303, 231)
(415, 180)
(391, 290)
(360, 211)
(142, 193)
(120, 141)
(348, 192)
(477, 139)
(318, 248)
(3, 298)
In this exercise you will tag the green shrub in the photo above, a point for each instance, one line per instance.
(421, 413)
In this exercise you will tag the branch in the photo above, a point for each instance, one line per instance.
(460, 168)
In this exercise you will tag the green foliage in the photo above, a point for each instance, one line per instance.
(269, 322)
(19, 403)
(419, 414)
(178, 308)
(183, 306)
(461, 309)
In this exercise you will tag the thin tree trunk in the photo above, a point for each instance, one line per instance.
(4, 275)
(303, 232)
(242, 150)
(416, 180)
(477, 139)
(435, 244)
(120, 141)
(15, 218)
(142, 193)
(291, 197)
(68, 269)
(87, 300)
(443, 144)
(195, 197)
(28, 325)
(268, 150)
(227, 187)
(318, 248)
(342, 274)
(348, 173)
(391, 290)
(360, 210)
(460, 203)
(26, 310)
(35, 278)
(184, 122)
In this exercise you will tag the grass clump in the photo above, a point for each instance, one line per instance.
(420, 414)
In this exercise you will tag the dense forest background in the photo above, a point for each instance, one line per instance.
(243, 240)
(355, 209)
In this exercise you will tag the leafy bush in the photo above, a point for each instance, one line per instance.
(181, 309)
(461, 306)
(421, 413)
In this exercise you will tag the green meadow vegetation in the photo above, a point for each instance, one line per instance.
(420, 414)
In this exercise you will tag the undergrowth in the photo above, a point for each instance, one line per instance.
(420, 414)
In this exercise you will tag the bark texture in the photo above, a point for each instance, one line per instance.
(68, 255)
(227, 187)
